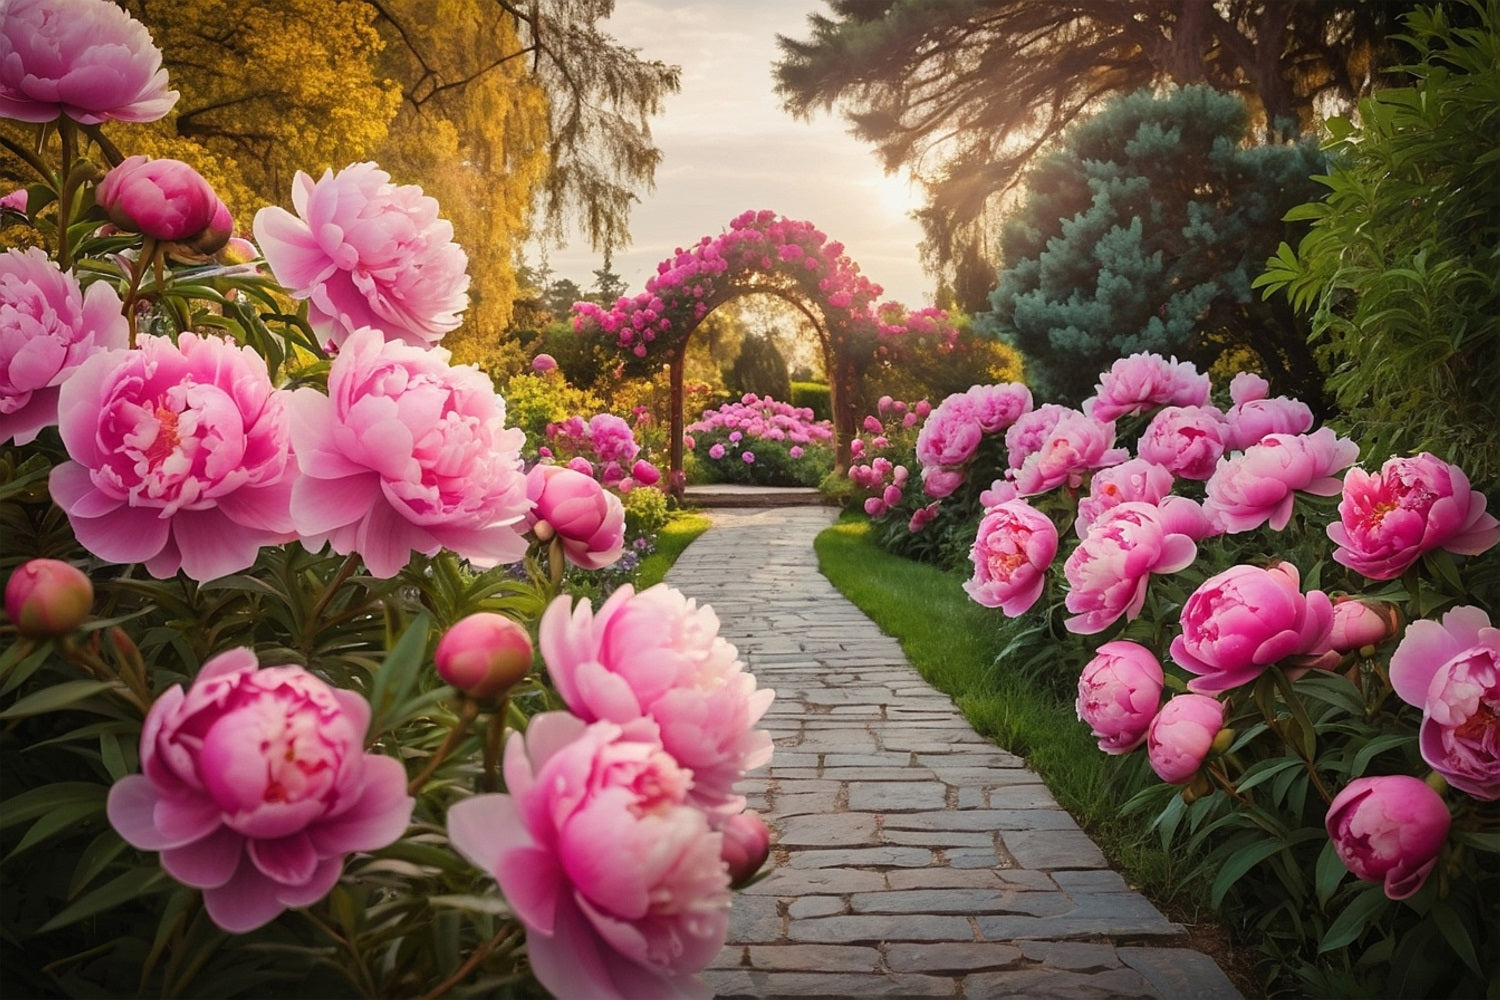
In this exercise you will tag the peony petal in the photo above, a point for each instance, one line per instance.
(289, 860)
(1424, 648)
(324, 877)
(208, 862)
(186, 819)
(245, 902)
(483, 827)
(212, 546)
(379, 816)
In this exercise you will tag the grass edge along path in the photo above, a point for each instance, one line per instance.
(682, 527)
(954, 644)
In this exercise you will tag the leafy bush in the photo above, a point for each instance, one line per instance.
(813, 396)
(761, 442)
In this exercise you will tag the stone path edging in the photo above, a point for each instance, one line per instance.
(912, 857)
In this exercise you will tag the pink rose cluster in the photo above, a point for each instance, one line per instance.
(620, 831)
(953, 431)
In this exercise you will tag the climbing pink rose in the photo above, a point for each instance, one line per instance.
(1136, 479)
(366, 252)
(1259, 486)
(179, 456)
(48, 597)
(1389, 829)
(950, 435)
(1179, 738)
(1451, 671)
(1254, 416)
(1014, 546)
(166, 200)
(255, 786)
(407, 454)
(588, 518)
(996, 407)
(1142, 381)
(1411, 506)
(86, 59)
(48, 327)
(1107, 573)
(1074, 445)
(656, 654)
(1119, 692)
(747, 844)
(483, 654)
(1186, 440)
(619, 881)
(1245, 619)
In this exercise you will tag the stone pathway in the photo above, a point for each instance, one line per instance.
(912, 857)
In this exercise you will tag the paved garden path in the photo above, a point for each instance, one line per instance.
(912, 857)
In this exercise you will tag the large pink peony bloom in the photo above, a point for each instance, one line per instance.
(366, 252)
(166, 200)
(1259, 486)
(179, 456)
(1136, 479)
(1074, 445)
(255, 786)
(407, 454)
(86, 59)
(1411, 506)
(1180, 737)
(1451, 671)
(656, 654)
(48, 327)
(1143, 381)
(950, 435)
(1389, 829)
(996, 407)
(1108, 571)
(618, 879)
(1253, 415)
(588, 518)
(1012, 549)
(1245, 619)
(1119, 692)
(1031, 430)
(1186, 440)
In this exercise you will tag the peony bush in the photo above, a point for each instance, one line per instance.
(760, 440)
(285, 708)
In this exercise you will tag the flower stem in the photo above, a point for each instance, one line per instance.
(467, 713)
(506, 935)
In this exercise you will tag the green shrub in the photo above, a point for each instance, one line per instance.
(813, 396)
(534, 401)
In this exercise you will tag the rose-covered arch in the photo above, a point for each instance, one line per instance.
(763, 253)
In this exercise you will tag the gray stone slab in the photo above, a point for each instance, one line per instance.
(1052, 984)
(967, 901)
(816, 958)
(728, 984)
(860, 928)
(815, 906)
(1181, 974)
(1052, 849)
(951, 956)
(828, 830)
(1044, 822)
(791, 882)
(866, 857)
(892, 796)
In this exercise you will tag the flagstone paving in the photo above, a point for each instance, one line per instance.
(911, 857)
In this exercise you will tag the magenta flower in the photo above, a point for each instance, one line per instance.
(543, 363)
(48, 327)
(1109, 570)
(1136, 479)
(922, 517)
(1119, 692)
(939, 482)
(407, 454)
(366, 252)
(950, 435)
(658, 655)
(1245, 619)
(165, 200)
(86, 59)
(179, 456)
(996, 407)
(1185, 440)
(618, 880)
(255, 786)
(1143, 381)
(1000, 491)
(1411, 506)
(1180, 737)
(1254, 416)
(588, 518)
(16, 201)
(716, 451)
(1012, 549)
(46, 597)
(1451, 671)
(612, 439)
(1259, 486)
(1074, 445)
(1389, 829)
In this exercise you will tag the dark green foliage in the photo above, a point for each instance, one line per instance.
(760, 369)
(1401, 270)
(1142, 232)
(813, 396)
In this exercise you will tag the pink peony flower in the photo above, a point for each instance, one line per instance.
(1000, 491)
(1245, 619)
(588, 518)
(996, 407)
(1451, 671)
(950, 435)
(179, 456)
(483, 654)
(86, 59)
(876, 506)
(16, 201)
(612, 438)
(1180, 737)
(939, 482)
(1074, 445)
(255, 786)
(716, 451)
(795, 451)
(1358, 623)
(1119, 692)
(1259, 486)
(1411, 506)
(365, 252)
(407, 454)
(1186, 440)
(46, 597)
(1389, 829)
(1030, 432)
(1136, 479)
(1143, 381)
(165, 200)
(619, 881)
(748, 458)
(922, 517)
(658, 655)
(1109, 570)
(48, 327)
(543, 363)
(646, 474)
(1254, 416)
(1012, 549)
(747, 844)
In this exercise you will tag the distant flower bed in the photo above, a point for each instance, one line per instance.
(761, 441)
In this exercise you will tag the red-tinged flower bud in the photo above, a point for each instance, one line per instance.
(483, 654)
(1359, 623)
(747, 844)
(48, 597)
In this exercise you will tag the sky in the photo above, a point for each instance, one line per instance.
(727, 146)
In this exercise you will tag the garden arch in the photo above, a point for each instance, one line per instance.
(763, 253)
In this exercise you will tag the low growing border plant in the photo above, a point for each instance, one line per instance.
(760, 440)
(295, 698)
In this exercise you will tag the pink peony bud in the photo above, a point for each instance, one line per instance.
(1389, 829)
(543, 363)
(1119, 692)
(1359, 623)
(483, 654)
(1179, 738)
(644, 473)
(48, 597)
(747, 844)
(589, 519)
(166, 200)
